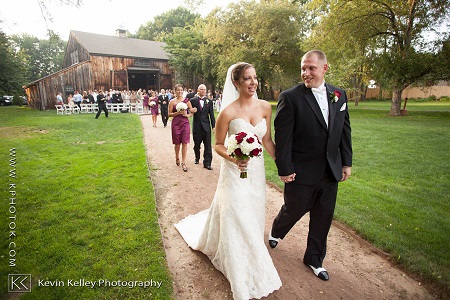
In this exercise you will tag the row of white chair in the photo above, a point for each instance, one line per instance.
(93, 108)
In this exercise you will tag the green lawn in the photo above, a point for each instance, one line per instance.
(85, 208)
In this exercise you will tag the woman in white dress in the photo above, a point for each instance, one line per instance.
(231, 231)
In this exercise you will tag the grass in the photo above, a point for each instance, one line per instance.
(84, 208)
(398, 195)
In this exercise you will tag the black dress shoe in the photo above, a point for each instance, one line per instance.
(196, 161)
(273, 242)
(320, 272)
(208, 167)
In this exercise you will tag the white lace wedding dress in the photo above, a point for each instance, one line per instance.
(231, 231)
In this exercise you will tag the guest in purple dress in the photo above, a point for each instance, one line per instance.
(145, 102)
(181, 129)
(154, 107)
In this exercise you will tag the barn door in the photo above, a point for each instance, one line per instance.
(119, 80)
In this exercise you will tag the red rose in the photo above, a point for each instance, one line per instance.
(250, 140)
(255, 152)
(238, 152)
(337, 93)
(240, 137)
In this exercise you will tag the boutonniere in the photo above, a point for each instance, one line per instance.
(334, 96)
(207, 101)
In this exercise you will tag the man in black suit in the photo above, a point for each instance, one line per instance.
(202, 123)
(313, 153)
(190, 94)
(101, 102)
(163, 100)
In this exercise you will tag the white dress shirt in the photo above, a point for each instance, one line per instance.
(321, 96)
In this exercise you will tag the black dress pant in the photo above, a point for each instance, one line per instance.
(164, 116)
(205, 138)
(100, 108)
(319, 200)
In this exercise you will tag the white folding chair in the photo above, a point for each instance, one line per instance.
(132, 107)
(84, 108)
(59, 109)
(75, 109)
(67, 109)
(139, 108)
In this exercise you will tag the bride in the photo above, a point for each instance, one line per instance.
(231, 231)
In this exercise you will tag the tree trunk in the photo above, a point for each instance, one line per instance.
(396, 102)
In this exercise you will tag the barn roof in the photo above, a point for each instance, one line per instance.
(106, 45)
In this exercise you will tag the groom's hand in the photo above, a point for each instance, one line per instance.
(288, 178)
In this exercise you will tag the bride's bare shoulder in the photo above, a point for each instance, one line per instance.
(226, 114)
(264, 104)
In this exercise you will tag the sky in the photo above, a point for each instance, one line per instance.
(95, 16)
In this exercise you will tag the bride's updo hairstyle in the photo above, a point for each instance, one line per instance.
(239, 70)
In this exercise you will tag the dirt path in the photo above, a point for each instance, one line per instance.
(357, 271)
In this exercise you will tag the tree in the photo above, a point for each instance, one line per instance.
(43, 57)
(267, 34)
(12, 69)
(390, 36)
(165, 23)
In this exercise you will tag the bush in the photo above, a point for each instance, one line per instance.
(17, 100)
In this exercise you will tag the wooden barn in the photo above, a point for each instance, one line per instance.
(95, 61)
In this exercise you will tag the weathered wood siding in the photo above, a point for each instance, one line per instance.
(103, 67)
(75, 53)
(42, 93)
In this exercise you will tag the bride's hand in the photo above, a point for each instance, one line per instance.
(242, 163)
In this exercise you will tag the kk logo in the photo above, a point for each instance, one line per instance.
(19, 283)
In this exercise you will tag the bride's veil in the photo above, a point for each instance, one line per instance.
(229, 93)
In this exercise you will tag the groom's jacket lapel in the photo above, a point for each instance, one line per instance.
(311, 99)
(332, 107)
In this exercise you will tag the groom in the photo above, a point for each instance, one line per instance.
(313, 153)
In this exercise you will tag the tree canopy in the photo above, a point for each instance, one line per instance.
(268, 37)
(13, 72)
(42, 57)
(386, 40)
(165, 23)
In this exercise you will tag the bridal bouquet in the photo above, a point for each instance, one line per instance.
(181, 106)
(244, 145)
(152, 103)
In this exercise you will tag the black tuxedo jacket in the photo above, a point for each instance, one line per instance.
(204, 117)
(161, 100)
(304, 144)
